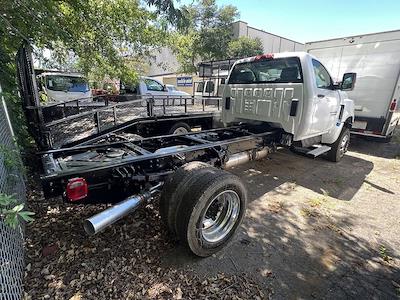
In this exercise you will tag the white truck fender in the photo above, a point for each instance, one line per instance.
(346, 119)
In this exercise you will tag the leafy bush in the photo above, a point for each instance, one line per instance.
(13, 216)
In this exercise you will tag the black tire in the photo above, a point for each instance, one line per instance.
(340, 146)
(182, 127)
(387, 139)
(198, 197)
(174, 188)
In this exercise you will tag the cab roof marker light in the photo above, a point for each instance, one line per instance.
(264, 56)
(393, 105)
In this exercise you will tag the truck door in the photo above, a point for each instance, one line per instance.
(154, 88)
(326, 100)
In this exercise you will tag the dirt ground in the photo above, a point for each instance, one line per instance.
(313, 230)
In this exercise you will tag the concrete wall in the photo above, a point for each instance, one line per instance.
(270, 42)
(163, 62)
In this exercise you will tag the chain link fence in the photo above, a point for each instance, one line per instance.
(11, 240)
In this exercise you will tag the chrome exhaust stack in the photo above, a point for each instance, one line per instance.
(99, 222)
(244, 157)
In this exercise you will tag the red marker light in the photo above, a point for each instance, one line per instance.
(393, 105)
(77, 189)
(264, 56)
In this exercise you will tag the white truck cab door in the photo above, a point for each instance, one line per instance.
(326, 100)
(153, 87)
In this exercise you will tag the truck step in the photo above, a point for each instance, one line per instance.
(318, 151)
(314, 151)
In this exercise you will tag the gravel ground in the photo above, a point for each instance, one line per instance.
(313, 229)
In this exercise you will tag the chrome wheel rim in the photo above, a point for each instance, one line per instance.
(344, 145)
(220, 216)
(180, 130)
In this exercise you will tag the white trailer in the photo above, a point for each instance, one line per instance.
(376, 60)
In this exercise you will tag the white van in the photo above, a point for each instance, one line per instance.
(60, 87)
(210, 88)
(376, 60)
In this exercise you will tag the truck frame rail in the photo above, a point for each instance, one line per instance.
(128, 165)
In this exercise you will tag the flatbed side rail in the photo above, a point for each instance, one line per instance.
(135, 122)
(73, 120)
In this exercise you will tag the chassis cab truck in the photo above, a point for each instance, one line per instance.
(294, 92)
(283, 99)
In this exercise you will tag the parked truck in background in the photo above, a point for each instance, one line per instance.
(210, 88)
(148, 86)
(214, 75)
(56, 86)
(376, 60)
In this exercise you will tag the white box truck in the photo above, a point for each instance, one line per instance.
(376, 60)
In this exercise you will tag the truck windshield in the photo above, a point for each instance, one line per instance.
(278, 70)
(67, 83)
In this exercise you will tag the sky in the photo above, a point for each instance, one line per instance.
(313, 20)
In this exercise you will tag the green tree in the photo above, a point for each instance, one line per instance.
(185, 47)
(245, 47)
(103, 35)
(215, 29)
(206, 34)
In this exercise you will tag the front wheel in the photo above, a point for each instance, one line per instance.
(340, 146)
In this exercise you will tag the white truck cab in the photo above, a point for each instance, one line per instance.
(295, 92)
(62, 86)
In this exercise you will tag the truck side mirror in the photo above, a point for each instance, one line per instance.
(348, 81)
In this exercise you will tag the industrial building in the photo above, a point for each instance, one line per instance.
(165, 67)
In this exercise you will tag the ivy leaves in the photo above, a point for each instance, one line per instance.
(13, 216)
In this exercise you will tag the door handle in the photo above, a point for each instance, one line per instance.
(320, 96)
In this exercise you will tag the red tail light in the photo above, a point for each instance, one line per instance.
(77, 189)
(264, 56)
(393, 105)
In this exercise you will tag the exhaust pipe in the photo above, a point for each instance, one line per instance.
(244, 157)
(99, 222)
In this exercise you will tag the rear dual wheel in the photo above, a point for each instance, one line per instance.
(203, 207)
